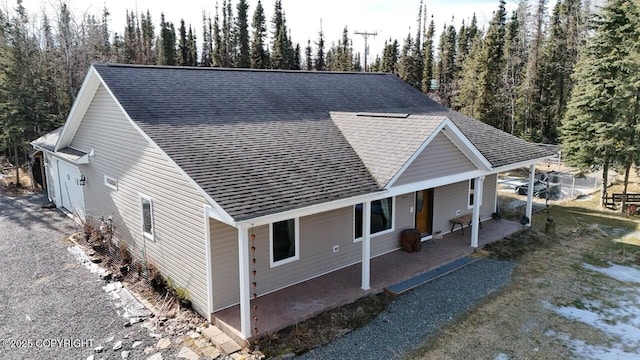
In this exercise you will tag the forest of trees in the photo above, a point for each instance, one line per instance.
(524, 73)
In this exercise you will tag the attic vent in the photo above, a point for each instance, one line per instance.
(384, 115)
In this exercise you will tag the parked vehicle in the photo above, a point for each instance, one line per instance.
(539, 187)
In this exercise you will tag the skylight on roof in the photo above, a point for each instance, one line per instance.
(384, 115)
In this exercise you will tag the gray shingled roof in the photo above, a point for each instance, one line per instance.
(381, 151)
(262, 142)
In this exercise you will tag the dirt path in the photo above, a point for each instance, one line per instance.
(561, 304)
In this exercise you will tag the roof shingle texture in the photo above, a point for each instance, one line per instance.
(262, 142)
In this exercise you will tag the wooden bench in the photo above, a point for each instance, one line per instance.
(462, 220)
(615, 199)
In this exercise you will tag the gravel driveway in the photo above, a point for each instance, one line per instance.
(418, 314)
(52, 307)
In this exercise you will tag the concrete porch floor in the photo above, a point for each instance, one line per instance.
(305, 300)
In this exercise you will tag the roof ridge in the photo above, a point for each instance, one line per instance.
(202, 68)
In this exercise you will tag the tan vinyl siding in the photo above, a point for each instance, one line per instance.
(440, 158)
(318, 235)
(122, 153)
(449, 198)
(224, 264)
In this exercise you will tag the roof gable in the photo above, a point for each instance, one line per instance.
(441, 157)
(385, 142)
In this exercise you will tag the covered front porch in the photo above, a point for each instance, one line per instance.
(305, 300)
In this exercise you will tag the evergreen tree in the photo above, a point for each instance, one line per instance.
(320, 62)
(57, 102)
(192, 48)
(207, 41)
(428, 62)
(406, 66)
(23, 106)
(118, 48)
(532, 88)
(183, 45)
(282, 53)
(466, 100)
(104, 35)
(308, 61)
(131, 49)
(259, 56)
(600, 125)
(559, 56)
(447, 72)
(218, 58)
(514, 70)
(242, 32)
(390, 57)
(228, 39)
(168, 41)
(343, 60)
(68, 44)
(296, 58)
(148, 39)
(489, 107)
(357, 63)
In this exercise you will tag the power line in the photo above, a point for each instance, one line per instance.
(365, 35)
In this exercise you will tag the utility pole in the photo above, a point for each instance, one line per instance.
(365, 35)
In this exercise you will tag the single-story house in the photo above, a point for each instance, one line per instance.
(201, 170)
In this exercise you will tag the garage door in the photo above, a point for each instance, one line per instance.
(71, 195)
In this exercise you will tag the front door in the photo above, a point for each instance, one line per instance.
(424, 211)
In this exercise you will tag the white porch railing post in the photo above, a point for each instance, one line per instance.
(245, 286)
(532, 174)
(477, 201)
(366, 245)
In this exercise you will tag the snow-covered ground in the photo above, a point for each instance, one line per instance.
(616, 316)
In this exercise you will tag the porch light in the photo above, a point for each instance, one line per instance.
(82, 181)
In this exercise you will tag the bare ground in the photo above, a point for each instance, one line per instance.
(520, 322)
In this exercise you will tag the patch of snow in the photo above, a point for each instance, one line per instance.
(617, 316)
(83, 259)
(618, 272)
(501, 356)
(123, 299)
(129, 306)
(618, 327)
(583, 350)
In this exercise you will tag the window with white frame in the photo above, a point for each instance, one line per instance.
(381, 217)
(146, 217)
(111, 182)
(472, 192)
(284, 239)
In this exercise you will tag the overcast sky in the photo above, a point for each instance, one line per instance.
(389, 18)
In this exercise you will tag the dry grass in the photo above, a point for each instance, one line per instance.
(8, 183)
(515, 321)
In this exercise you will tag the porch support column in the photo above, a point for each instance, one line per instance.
(245, 288)
(366, 245)
(532, 175)
(477, 200)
